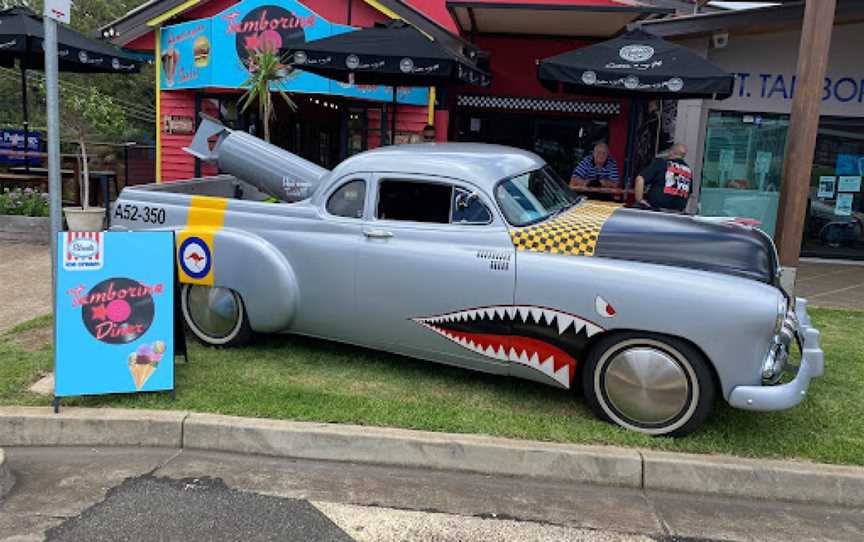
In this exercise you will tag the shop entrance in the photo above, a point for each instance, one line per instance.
(561, 140)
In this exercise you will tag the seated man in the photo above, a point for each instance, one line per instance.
(597, 170)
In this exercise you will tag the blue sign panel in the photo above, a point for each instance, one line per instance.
(115, 313)
(215, 52)
(14, 140)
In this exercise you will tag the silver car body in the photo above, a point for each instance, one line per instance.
(397, 285)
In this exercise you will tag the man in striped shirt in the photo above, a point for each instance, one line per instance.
(598, 169)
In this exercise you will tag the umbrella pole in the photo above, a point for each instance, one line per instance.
(393, 119)
(24, 111)
(630, 159)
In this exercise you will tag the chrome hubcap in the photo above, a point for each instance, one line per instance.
(215, 311)
(646, 385)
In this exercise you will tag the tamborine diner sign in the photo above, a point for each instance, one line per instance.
(214, 52)
(114, 324)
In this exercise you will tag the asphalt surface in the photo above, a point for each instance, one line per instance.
(157, 494)
(195, 509)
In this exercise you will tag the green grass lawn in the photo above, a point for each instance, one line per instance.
(305, 379)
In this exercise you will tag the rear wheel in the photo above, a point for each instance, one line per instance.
(649, 383)
(216, 316)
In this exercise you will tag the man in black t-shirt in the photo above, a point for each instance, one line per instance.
(669, 181)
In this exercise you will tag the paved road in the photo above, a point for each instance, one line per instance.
(135, 494)
(25, 282)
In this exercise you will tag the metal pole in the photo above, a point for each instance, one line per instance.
(52, 101)
(24, 108)
(803, 126)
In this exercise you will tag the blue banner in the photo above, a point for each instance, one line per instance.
(214, 52)
(114, 323)
(14, 140)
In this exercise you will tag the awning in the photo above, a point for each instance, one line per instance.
(565, 18)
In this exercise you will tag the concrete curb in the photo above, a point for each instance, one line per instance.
(640, 469)
(39, 426)
(7, 480)
(753, 478)
(472, 453)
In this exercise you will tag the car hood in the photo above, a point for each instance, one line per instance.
(611, 231)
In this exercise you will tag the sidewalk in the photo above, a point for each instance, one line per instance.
(831, 285)
(25, 282)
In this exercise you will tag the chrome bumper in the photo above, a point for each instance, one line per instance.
(788, 395)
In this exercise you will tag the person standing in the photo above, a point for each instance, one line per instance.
(668, 181)
(596, 170)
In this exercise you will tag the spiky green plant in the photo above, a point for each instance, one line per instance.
(268, 72)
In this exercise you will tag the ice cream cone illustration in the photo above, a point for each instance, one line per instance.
(170, 59)
(144, 362)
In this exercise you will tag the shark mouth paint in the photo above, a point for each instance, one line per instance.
(540, 338)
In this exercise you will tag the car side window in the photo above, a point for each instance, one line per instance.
(415, 201)
(469, 209)
(348, 200)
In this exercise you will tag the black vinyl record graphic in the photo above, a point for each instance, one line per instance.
(269, 27)
(118, 310)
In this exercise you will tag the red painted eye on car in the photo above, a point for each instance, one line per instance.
(603, 307)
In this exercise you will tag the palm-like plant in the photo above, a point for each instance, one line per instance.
(267, 71)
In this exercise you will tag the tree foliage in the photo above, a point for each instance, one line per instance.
(134, 94)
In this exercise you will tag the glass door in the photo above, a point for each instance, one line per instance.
(834, 226)
(743, 166)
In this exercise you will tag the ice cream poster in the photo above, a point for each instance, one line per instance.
(114, 324)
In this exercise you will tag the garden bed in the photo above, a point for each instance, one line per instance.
(24, 216)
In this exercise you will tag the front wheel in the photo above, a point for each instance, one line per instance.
(649, 383)
(216, 316)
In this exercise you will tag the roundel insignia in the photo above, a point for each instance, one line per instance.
(195, 258)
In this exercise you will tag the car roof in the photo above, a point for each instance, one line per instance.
(479, 163)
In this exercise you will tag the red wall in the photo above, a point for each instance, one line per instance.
(514, 73)
(176, 163)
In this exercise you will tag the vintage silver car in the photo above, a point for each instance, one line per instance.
(480, 256)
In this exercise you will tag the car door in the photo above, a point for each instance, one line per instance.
(435, 262)
(322, 249)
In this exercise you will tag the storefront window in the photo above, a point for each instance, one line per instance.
(743, 166)
(562, 141)
(835, 208)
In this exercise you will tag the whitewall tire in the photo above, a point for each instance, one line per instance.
(215, 316)
(649, 383)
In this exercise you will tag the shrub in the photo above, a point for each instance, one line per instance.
(26, 202)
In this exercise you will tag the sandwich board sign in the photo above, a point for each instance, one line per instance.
(114, 313)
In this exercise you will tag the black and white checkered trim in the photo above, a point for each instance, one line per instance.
(514, 103)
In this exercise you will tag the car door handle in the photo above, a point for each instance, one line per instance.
(377, 233)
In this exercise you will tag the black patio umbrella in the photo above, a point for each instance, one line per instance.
(636, 64)
(392, 54)
(21, 38)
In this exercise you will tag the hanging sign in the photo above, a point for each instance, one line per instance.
(214, 52)
(114, 323)
(59, 10)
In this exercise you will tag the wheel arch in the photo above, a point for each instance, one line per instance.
(262, 276)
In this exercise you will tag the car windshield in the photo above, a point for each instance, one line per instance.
(533, 197)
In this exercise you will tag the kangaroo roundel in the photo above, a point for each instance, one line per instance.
(195, 257)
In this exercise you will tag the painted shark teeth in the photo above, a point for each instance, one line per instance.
(529, 314)
(525, 313)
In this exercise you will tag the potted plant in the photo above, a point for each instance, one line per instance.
(267, 71)
(85, 115)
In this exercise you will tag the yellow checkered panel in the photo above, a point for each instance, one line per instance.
(573, 233)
